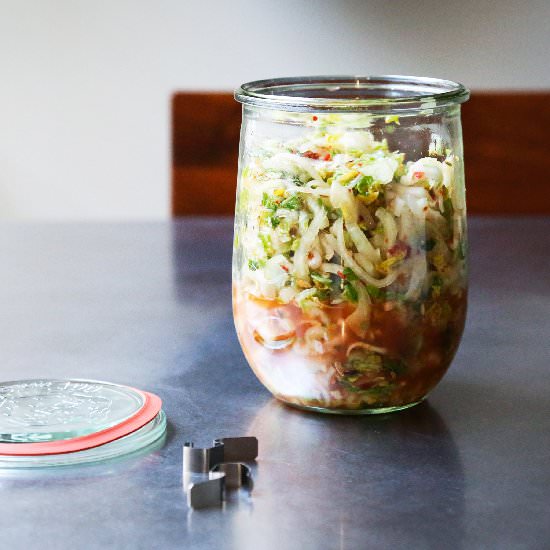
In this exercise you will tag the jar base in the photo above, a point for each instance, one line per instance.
(353, 412)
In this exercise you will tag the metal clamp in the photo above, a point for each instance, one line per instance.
(223, 464)
(206, 493)
(200, 461)
(237, 475)
(238, 449)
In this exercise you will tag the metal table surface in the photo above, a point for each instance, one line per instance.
(149, 305)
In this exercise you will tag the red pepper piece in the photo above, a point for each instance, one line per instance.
(400, 248)
(311, 155)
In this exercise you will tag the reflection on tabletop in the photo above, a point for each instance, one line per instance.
(407, 459)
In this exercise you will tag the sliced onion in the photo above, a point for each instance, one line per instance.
(368, 347)
(318, 222)
(389, 225)
(347, 258)
(328, 243)
(358, 321)
(418, 276)
(274, 332)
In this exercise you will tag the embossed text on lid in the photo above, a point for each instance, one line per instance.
(43, 410)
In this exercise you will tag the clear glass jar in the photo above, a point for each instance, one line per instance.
(349, 264)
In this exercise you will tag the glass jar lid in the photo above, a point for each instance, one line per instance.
(147, 439)
(34, 411)
(54, 417)
(380, 94)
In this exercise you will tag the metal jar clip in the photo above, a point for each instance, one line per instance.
(223, 464)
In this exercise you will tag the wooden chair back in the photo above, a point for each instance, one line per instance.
(505, 143)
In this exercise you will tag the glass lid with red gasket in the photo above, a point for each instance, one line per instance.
(74, 421)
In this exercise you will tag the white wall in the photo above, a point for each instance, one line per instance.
(85, 85)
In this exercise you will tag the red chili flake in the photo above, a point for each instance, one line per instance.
(418, 175)
(400, 248)
(314, 118)
(341, 274)
(311, 155)
(284, 268)
(327, 157)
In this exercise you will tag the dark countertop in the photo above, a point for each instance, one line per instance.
(149, 305)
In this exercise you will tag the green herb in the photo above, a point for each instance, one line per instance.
(380, 392)
(363, 185)
(365, 367)
(323, 294)
(350, 292)
(349, 274)
(321, 203)
(448, 208)
(360, 361)
(254, 265)
(268, 202)
(334, 213)
(320, 279)
(266, 243)
(374, 291)
(274, 220)
(291, 203)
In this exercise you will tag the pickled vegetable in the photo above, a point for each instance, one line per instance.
(350, 272)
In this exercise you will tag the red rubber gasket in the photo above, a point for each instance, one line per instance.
(150, 409)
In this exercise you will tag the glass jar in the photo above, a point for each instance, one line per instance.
(349, 263)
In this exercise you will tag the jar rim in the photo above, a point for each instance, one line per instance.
(381, 94)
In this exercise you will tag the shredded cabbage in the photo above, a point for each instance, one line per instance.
(342, 245)
(337, 199)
